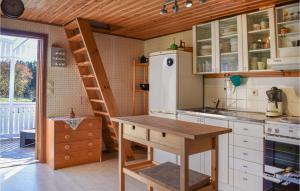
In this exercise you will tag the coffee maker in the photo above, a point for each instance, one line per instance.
(274, 106)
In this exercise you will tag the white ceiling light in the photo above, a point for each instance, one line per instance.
(188, 3)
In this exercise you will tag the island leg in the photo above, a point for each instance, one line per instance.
(122, 154)
(214, 162)
(150, 157)
(184, 166)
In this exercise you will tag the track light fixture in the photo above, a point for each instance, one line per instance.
(175, 7)
(188, 3)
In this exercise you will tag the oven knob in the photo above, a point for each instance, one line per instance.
(269, 130)
(276, 130)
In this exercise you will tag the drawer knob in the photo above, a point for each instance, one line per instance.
(245, 141)
(67, 157)
(246, 154)
(90, 134)
(90, 144)
(163, 134)
(67, 137)
(90, 153)
(91, 124)
(246, 129)
(67, 147)
(246, 179)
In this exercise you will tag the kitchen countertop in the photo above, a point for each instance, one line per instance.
(226, 114)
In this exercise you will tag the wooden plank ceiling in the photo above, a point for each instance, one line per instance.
(139, 18)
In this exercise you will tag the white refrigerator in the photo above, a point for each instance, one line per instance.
(172, 83)
(172, 86)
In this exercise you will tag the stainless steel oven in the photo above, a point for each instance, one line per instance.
(281, 157)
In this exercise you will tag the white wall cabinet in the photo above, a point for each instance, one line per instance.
(259, 39)
(241, 43)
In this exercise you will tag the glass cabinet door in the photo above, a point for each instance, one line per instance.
(259, 44)
(288, 30)
(204, 62)
(229, 44)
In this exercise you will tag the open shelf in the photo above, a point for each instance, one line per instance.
(148, 172)
(255, 73)
(260, 50)
(259, 31)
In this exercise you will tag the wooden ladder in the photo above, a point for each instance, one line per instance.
(94, 78)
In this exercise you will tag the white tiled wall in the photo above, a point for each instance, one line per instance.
(251, 95)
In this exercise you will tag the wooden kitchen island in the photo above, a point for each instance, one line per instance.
(179, 137)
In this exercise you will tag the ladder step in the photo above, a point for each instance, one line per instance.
(86, 63)
(92, 88)
(71, 25)
(101, 113)
(87, 76)
(75, 38)
(80, 51)
(97, 100)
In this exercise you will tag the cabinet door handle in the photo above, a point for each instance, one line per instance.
(246, 154)
(67, 137)
(67, 147)
(163, 134)
(67, 157)
(245, 141)
(245, 129)
(246, 179)
(245, 166)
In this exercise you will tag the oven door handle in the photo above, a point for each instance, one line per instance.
(282, 139)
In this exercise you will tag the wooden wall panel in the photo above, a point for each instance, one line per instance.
(117, 54)
(140, 19)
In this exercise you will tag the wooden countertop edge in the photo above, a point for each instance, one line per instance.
(189, 136)
(86, 117)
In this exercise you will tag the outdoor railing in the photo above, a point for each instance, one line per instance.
(15, 118)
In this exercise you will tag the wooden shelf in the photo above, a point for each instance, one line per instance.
(262, 73)
(289, 22)
(136, 90)
(142, 64)
(259, 31)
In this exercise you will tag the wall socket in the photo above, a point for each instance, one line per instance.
(255, 92)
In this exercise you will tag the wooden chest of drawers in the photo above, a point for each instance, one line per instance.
(67, 147)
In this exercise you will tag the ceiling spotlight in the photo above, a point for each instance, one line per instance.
(188, 3)
(202, 1)
(175, 7)
(163, 10)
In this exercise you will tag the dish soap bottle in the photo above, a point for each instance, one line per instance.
(72, 114)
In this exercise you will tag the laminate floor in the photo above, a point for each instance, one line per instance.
(91, 177)
(12, 154)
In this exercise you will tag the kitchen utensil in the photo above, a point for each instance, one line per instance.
(261, 65)
(143, 59)
(264, 24)
(144, 87)
(256, 27)
(274, 106)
